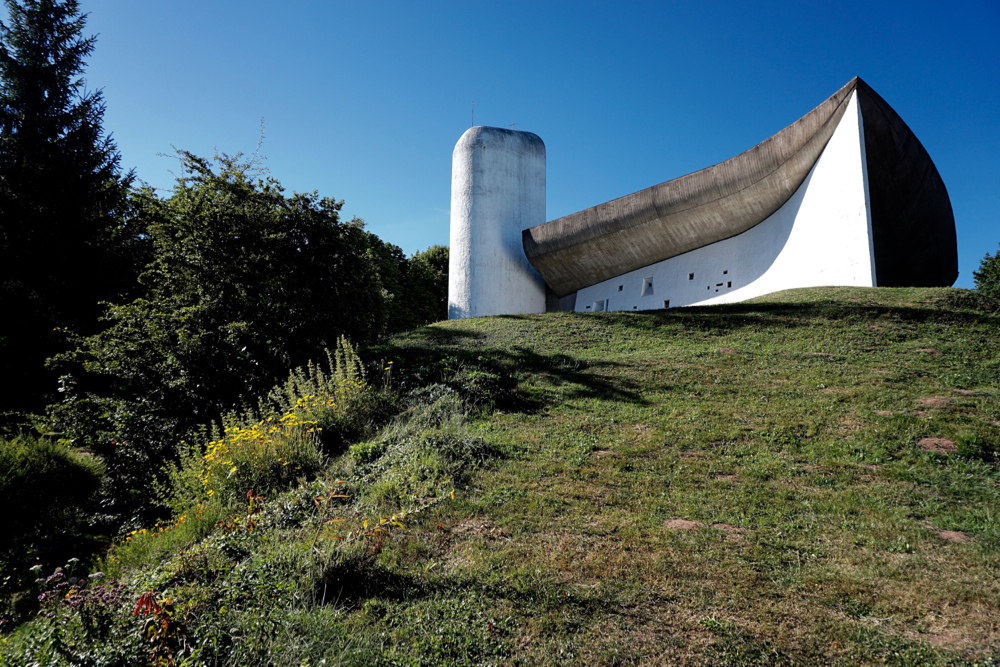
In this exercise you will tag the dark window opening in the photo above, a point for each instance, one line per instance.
(621, 287)
(690, 276)
(729, 283)
(666, 303)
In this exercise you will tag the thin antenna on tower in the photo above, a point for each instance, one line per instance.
(473, 113)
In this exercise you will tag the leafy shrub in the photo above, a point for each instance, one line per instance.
(987, 278)
(268, 450)
(264, 456)
(81, 622)
(244, 284)
(46, 489)
(339, 399)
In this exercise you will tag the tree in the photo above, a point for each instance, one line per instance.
(427, 285)
(417, 286)
(63, 244)
(987, 278)
(245, 284)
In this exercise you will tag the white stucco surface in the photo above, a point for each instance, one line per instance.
(820, 237)
(497, 191)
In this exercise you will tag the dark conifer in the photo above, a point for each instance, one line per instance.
(63, 244)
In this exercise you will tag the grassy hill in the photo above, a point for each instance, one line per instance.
(808, 478)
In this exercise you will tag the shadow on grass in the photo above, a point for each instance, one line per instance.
(461, 358)
(351, 582)
(485, 358)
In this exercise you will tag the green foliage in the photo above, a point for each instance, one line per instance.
(987, 278)
(423, 294)
(67, 238)
(46, 489)
(684, 482)
(339, 399)
(484, 382)
(423, 455)
(268, 449)
(245, 283)
(81, 621)
(49, 494)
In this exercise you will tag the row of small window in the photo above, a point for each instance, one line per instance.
(647, 284)
(647, 290)
(601, 306)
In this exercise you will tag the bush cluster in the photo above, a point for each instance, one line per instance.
(47, 491)
(267, 526)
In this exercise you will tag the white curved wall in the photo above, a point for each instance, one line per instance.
(819, 237)
(497, 191)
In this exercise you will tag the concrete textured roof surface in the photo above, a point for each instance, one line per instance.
(909, 204)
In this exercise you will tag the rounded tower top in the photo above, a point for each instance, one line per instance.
(516, 140)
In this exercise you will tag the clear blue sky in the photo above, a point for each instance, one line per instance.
(364, 101)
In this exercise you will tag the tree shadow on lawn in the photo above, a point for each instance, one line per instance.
(794, 315)
(501, 350)
(453, 356)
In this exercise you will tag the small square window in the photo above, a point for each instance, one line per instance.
(621, 287)
(725, 272)
(647, 286)
(729, 283)
(690, 276)
(666, 303)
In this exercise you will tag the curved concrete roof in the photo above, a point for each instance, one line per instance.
(695, 210)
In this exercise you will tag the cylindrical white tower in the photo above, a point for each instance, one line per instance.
(497, 191)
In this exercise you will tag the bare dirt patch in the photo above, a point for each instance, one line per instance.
(479, 528)
(950, 640)
(964, 392)
(872, 327)
(937, 446)
(683, 524)
(601, 453)
(726, 478)
(929, 350)
(884, 413)
(953, 536)
(932, 402)
(733, 533)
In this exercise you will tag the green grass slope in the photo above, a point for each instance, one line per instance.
(810, 478)
(740, 484)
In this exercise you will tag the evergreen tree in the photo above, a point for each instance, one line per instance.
(63, 245)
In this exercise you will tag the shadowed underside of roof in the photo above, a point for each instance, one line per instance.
(913, 226)
(731, 197)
